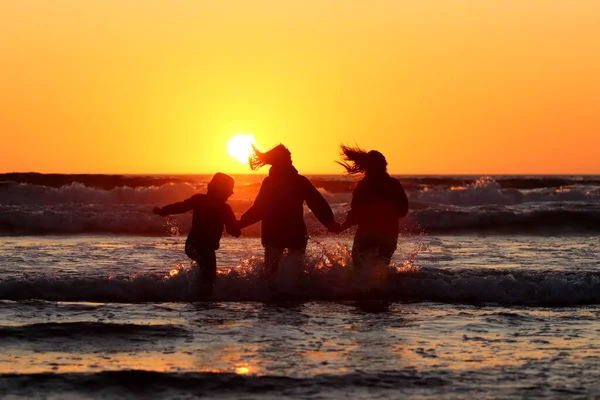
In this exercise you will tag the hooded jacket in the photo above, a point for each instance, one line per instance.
(210, 215)
(378, 202)
(279, 205)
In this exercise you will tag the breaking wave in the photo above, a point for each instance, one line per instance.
(138, 220)
(331, 183)
(94, 204)
(327, 277)
(483, 191)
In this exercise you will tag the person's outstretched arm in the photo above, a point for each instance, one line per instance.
(176, 208)
(320, 207)
(255, 212)
(231, 224)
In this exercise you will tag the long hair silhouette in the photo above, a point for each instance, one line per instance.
(278, 155)
(358, 161)
(378, 202)
(279, 205)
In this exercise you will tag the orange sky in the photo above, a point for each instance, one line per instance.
(452, 86)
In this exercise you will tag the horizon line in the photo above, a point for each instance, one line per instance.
(304, 173)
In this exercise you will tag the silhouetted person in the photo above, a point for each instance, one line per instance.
(378, 203)
(279, 205)
(211, 213)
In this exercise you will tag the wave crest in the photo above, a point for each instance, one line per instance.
(482, 205)
(327, 276)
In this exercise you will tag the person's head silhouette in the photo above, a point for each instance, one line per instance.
(221, 186)
(359, 161)
(278, 156)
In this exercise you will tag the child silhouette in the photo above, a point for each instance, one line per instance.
(211, 213)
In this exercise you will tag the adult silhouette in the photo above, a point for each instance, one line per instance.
(279, 205)
(378, 202)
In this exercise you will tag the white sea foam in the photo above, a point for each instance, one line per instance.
(328, 275)
(479, 206)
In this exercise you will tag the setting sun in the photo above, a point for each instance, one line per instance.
(300, 198)
(240, 147)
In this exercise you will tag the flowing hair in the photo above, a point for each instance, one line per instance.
(358, 161)
(276, 156)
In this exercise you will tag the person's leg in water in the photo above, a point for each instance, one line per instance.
(207, 262)
(371, 255)
(374, 248)
(207, 265)
(273, 259)
(293, 268)
(386, 246)
(273, 256)
(296, 257)
(364, 250)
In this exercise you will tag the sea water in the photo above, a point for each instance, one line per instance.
(497, 297)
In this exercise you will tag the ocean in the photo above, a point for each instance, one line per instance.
(494, 292)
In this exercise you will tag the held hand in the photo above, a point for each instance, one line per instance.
(242, 223)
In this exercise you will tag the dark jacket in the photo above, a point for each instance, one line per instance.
(279, 205)
(378, 202)
(210, 215)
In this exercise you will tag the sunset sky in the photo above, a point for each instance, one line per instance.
(440, 87)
